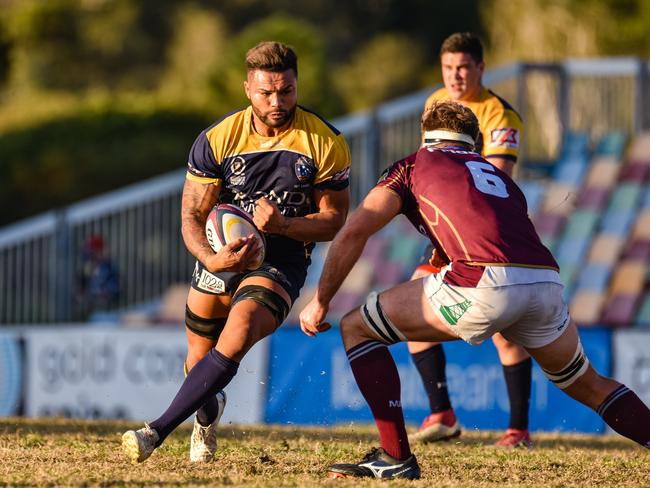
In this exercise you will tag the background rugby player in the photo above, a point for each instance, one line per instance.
(288, 167)
(461, 59)
(502, 279)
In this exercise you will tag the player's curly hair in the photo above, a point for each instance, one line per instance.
(451, 116)
(463, 42)
(272, 56)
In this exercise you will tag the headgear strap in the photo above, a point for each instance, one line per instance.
(432, 136)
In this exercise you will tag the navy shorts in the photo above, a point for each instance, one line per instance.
(289, 276)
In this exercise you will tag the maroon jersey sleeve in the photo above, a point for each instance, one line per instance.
(396, 178)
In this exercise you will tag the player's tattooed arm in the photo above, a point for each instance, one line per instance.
(198, 200)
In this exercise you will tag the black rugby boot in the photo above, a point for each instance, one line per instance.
(378, 464)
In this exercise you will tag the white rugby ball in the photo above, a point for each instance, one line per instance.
(227, 223)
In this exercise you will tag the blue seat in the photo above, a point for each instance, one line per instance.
(611, 144)
(594, 277)
(618, 223)
(572, 250)
(534, 193)
(572, 171)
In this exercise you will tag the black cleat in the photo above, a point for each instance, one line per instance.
(378, 464)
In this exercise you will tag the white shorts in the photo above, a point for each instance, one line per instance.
(529, 314)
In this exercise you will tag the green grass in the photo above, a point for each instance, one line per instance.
(55, 452)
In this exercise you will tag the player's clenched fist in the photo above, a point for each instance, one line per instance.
(312, 318)
(267, 217)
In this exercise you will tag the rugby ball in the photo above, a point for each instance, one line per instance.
(227, 223)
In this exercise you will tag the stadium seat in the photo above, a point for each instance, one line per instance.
(643, 316)
(620, 310)
(635, 172)
(593, 197)
(534, 192)
(603, 172)
(617, 222)
(360, 278)
(581, 223)
(560, 199)
(611, 144)
(625, 197)
(639, 150)
(586, 307)
(605, 249)
(594, 278)
(549, 224)
(629, 277)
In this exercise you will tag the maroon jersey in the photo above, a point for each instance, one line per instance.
(472, 212)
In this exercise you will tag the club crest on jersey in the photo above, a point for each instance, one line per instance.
(304, 169)
(505, 137)
(238, 168)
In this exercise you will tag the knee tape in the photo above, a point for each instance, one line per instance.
(210, 328)
(271, 300)
(378, 322)
(572, 371)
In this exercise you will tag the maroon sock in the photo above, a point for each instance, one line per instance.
(378, 380)
(624, 412)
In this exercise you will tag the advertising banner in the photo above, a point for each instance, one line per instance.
(311, 383)
(11, 374)
(125, 374)
(631, 350)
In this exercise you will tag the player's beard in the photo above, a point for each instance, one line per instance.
(275, 123)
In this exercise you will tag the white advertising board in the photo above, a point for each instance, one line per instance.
(631, 357)
(82, 372)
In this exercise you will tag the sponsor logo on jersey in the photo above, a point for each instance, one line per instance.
(505, 137)
(238, 165)
(304, 169)
(238, 168)
(289, 202)
(209, 282)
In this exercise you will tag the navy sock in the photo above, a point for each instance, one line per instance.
(207, 377)
(431, 365)
(208, 412)
(518, 381)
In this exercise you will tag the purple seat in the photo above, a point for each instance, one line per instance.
(635, 172)
(549, 224)
(620, 310)
(593, 198)
(638, 250)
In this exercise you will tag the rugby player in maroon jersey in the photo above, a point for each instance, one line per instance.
(462, 66)
(500, 279)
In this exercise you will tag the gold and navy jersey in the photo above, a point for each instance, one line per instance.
(501, 126)
(310, 154)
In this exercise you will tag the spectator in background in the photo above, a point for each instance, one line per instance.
(99, 286)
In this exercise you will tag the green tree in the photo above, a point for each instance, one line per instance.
(379, 70)
(315, 87)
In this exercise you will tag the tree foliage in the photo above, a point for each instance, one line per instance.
(77, 75)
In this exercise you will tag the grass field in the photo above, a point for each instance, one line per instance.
(47, 452)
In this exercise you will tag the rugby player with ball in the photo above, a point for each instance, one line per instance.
(288, 168)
